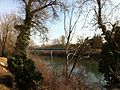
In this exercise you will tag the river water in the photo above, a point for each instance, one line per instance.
(87, 67)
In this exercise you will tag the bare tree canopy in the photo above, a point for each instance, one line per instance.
(8, 34)
(35, 13)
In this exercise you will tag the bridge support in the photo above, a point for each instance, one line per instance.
(51, 55)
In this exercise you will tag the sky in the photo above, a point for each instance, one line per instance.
(56, 29)
(8, 6)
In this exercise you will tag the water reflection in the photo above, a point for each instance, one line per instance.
(86, 68)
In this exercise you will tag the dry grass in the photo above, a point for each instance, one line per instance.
(58, 81)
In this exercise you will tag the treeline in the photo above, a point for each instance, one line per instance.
(93, 49)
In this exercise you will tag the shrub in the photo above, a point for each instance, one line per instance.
(26, 75)
(109, 65)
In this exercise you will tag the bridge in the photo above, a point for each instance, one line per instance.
(48, 51)
(60, 51)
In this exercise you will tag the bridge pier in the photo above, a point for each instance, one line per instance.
(51, 55)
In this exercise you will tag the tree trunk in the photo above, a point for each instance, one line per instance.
(23, 38)
(22, 43)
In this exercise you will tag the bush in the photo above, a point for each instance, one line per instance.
(26, 75)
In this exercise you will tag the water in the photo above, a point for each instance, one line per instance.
(89, 68)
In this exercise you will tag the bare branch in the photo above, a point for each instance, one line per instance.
(78, 53)
(117, 76)
(114, 9)
(40, 8)
(24, 2)
(100, 21)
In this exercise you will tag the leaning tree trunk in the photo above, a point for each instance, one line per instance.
(22, 42)
(23, 38)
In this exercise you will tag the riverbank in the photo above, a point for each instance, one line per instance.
(56, 79)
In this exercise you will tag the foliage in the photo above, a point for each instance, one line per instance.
(110, 56)
(26, 76)
(110, 63)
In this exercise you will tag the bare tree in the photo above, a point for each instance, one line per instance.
(55, 41)
(8, 34)
(35, 12)
(69, 29)
(61, 40)
(72, 15)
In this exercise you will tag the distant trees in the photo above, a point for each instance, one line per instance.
(96, 42)
(55, 41)
(8, 34)
(60, 41)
